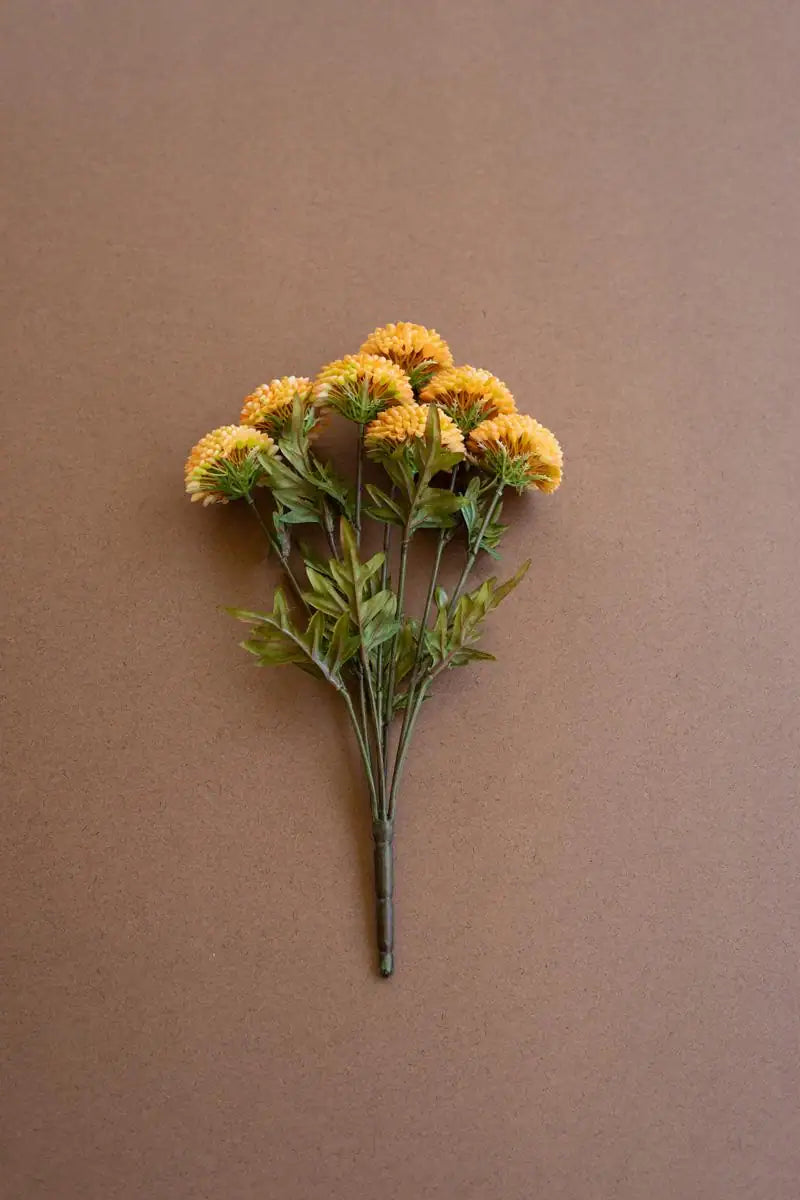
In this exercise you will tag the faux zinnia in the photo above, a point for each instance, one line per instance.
(269, 407)
(348, 622)
(224, 465)
(405, 423)
(518, 452)
(420, 351)
(469, 395)
(359, 386)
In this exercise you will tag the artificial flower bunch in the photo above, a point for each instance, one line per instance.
(447, 441)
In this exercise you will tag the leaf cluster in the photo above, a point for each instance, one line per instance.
(303, 486)
(451, 640)
(349, 613)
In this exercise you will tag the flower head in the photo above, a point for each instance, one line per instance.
(361, 385)
(517, 450)
(269, 407)
(400, 426)
(468, 395)
(224, 464)
(419, 351)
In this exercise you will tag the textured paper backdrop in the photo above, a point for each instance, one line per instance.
(598, 897)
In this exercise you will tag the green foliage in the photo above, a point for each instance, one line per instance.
(372, 609)
(348, 610)
(321, 649)
(304, 488)
(451, 641)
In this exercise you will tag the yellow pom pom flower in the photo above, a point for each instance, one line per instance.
(469, 395)
(400, 426)
(224, 465)
(518, 451)
(419, 351)
(361, 385)
(269, 407)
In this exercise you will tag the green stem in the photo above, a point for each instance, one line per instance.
(401, 591)
(366, 758)
(416, 671)
(327, 521)
(383, 857)
(276, 546)
(468, 565)
(444, 537)
(380, 665)
(415, 704)
(359, 480)
(365, 680)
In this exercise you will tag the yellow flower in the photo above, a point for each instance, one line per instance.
(419, 351)
(468, 395)
(269, 407)
(399, 426)
(517, 450)
(360, 385)
(224, 464)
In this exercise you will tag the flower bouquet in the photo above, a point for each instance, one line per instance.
(447, 442)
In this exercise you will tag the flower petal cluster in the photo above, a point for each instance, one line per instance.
(224, 465)
(359, 386)
(400, 426)
(420, 351)
(516, 449)
(269, 407)
(469, 395)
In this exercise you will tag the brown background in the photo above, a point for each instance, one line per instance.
(598, 899)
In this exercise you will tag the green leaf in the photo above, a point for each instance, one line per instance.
(343, 644)
(399, 470)
(503, 589)
(384, 507)
(275, 640)
(406, 648)
(436, 508)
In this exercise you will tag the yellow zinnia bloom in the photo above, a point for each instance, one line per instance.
(269, 407)
(469, 395)
(400, 426)
(360, 385)
(419, 351)
(224, 464)
(517, 450)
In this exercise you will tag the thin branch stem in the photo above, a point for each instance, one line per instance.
(388, 712)
(380, 665)
(328, 525)
(365, 680)
(444, 537)
(468, 565)
(415, 704)
(359, 481)
(415, 701)
(366, 757)
(276, 546)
